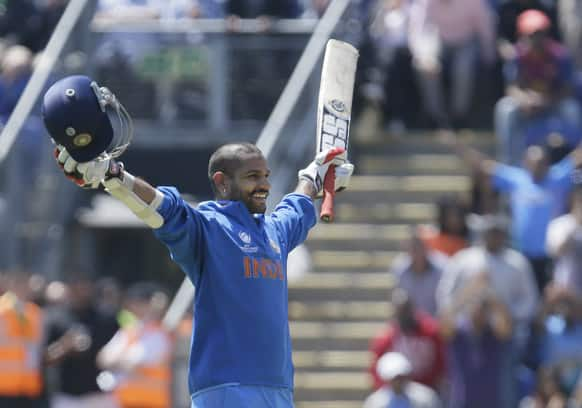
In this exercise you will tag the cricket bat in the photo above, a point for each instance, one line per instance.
(334, 110)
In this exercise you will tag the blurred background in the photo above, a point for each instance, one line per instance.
(452, 275)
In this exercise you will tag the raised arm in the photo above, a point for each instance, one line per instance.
(472, 157)
(138, 195)
(307, 188)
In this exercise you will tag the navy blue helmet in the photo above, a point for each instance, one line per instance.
(86, 119)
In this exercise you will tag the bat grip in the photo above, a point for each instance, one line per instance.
(326, 214)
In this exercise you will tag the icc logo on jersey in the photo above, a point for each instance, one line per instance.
(244, 237)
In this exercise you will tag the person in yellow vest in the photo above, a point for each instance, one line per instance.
(137, 360)
(21, 343)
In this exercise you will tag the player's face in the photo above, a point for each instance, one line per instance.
(250, 184)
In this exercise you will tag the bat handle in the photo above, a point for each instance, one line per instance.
(326, 214)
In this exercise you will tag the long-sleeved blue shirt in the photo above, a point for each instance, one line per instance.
(237, 262)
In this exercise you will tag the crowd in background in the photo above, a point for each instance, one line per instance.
(489, 306)
(458, 59)
(81, 342)
(475, 324)
(488, 310)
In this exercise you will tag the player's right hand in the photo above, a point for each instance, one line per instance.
(87, 175)
(317, 169)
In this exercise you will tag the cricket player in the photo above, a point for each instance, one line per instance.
(234, 254)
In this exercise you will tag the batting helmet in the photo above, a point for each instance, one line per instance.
(86, 119)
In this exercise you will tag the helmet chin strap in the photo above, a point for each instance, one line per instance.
(123, 134)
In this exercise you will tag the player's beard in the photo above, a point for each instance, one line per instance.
(253, 204)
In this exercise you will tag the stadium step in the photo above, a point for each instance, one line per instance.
(412, 164)
(340, 310)
(341, 360)
(421, 143)
(326, 335)
(341, 286)
(407, 184)
(334, 260)
(393, 189)
(384, 213)
(328, 385)
(343, 236)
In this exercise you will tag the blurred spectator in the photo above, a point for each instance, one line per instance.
(478, 329)
(564, 244)
(109, 295)
(258, 8)
(539, 80)
(75, 336)
(21, 328)
(537, 194)
(143, 10)
(506, 271)
(570, 15)
(508, 13)
(556, 136)
(576, 398)
(19, 22)
(509, 278)
(23, 163)
(452, 233)
(314, 8)
(418, 272)
(388, 82)
(37, 285)
(561, 336)
(210, 8)
(414, 334)
(444, 34)
(262, 10)
(547, 393)
(16, 70)
(119, 55)
(399, 391)
(138, 357)
(49, 13)
(556, 346)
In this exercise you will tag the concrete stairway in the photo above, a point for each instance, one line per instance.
(337, 309)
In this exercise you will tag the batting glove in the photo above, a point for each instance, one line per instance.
(87, 175)
(317, 169)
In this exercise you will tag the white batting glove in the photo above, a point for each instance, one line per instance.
(343, 175)
(87, 175)
(317, 169)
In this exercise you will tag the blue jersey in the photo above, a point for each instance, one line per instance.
(534, 204)
(237, 262)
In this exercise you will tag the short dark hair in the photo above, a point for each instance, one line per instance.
(228, 158)
(445, 204)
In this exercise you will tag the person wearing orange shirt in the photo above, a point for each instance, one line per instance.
(137, 359)
(21, 341)
(451, 233)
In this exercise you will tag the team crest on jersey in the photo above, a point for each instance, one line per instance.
(275, 246)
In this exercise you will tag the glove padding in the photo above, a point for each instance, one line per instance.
(317, 169)
(87, 175)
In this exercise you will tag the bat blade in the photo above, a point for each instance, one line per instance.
(334, 110)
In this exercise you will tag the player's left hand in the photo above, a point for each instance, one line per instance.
(317, 169)
(87, 175)
(343, 175)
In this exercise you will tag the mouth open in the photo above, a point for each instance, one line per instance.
(260, 196)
